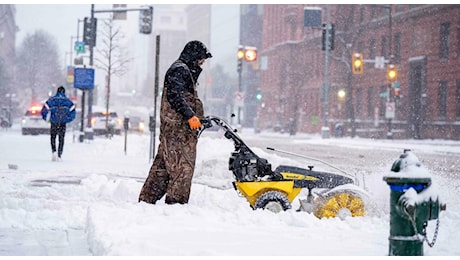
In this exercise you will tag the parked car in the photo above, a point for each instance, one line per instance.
(99, 119)
(33, 123)
(136, 124)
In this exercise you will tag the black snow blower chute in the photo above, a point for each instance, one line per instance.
(329, 194)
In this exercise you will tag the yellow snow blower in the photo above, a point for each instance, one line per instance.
(329, 194)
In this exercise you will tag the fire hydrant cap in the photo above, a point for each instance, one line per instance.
(409, 166)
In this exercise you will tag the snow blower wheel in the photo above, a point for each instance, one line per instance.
(341, 204)
(274, 201)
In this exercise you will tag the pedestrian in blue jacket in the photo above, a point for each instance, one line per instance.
(58, 110)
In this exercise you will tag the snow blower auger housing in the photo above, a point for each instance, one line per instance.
(275, 190)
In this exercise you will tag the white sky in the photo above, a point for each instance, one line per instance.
(62, 21)
(59, 20)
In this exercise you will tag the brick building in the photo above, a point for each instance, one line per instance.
(424, 45)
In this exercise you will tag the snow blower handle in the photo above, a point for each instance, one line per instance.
(230, 133)
(205, 123)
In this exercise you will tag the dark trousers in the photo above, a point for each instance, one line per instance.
(59, 130)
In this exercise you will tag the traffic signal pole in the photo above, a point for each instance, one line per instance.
(248, 54)
(325, 133)
(239, 90)
(390, 96)
(240, 57)
(91, 45)
(91, 61)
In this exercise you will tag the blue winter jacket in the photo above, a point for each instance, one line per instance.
(61, 109)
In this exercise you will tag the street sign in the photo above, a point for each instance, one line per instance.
(239, 99)
(83, 78)
(379, 62)
(80, 47)
(70, 79)
(121, 13)
(390, 110)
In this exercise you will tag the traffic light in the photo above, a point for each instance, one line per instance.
(89, 31)
(396, 89)
(250, 54)
(145, 20)
(392, 73)
(341, 94)
(330, 37)
(357, 63)
(258, 95)
(240, 56)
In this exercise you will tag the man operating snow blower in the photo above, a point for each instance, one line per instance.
(181, 109)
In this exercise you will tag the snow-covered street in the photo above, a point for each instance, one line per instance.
(88, 203)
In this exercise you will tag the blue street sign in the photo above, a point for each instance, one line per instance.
(83, 78)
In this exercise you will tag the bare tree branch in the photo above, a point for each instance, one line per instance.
(113, 60)
(38, 65)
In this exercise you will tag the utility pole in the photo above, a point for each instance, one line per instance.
(325, 133)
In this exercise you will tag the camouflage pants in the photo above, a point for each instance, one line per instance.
(172, 169)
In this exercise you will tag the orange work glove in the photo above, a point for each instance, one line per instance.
(194, 122)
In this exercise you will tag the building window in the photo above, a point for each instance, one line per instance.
(373, 12)
(372, 47)
(397, 50)
(457, 99)
(370, 102)
(399, 8)
(360, 46)
(458, 42)
(359, 105)
(383, 100)
(361, 14)
(384, 52)
(442, 99)
(444, 41)
(385, 11)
